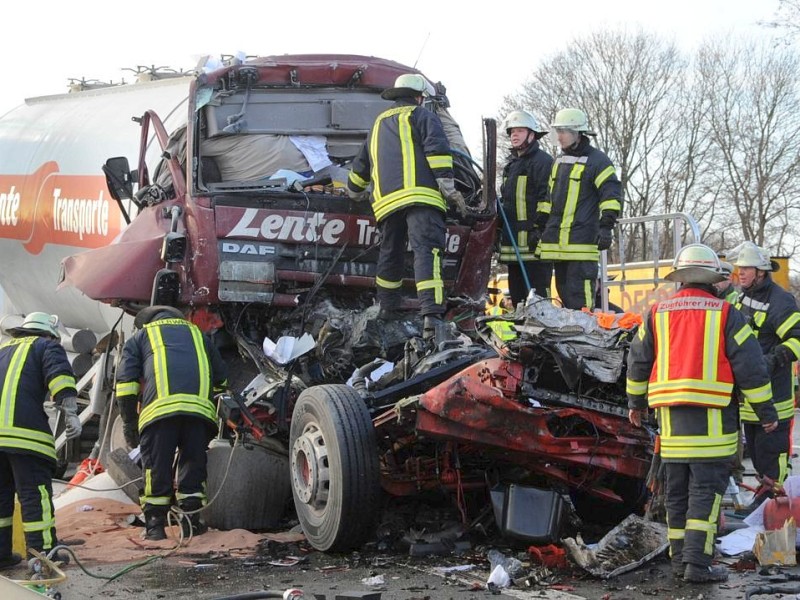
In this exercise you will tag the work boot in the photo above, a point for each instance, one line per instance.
(430, 324)
(155, 519)
(698, 574)
(389, 314)
(678, 567)
(191, 523)
(10, 561)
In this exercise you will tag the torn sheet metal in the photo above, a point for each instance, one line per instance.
(626, 547)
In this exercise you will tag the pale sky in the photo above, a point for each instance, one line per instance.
(480, 54)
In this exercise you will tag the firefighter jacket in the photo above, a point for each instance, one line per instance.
(32, 366)
(405, 153)
(526, 200)
(772, 313)
(583, 187)
(179, 369)
(689, 353)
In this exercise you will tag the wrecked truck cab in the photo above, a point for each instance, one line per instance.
(498, 424)
(244, 221)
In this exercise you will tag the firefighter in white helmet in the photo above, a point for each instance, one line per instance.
(526, 205)
(33, 368)
(407, 159)
(773, 314)
(690, 352)
(586, 199)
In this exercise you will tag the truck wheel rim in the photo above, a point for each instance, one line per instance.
(310, 473)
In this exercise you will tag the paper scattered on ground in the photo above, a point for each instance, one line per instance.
(738, 541)
(287, 348)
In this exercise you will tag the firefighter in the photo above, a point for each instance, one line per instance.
(773, 315)
(586, 202)
(33, 364)
(526, 205)
(690, 351)
(726, 289)
(179, 369)
(407, 159)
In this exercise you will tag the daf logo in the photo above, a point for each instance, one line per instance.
(251, 249)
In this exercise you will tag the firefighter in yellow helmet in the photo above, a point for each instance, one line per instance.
(773, 314)
(407, 159)
(586, 201)
(690, 352)
(526, 205)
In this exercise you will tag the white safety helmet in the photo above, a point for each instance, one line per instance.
(574, 119)
(522, 118)
(727, 268)
(38, 322)
(750, 255)
(696, 263)
(409, 85)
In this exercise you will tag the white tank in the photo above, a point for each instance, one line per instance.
(54, 201)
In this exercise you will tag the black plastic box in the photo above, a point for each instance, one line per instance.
(527, 513)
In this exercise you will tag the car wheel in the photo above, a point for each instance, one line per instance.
(334, 468)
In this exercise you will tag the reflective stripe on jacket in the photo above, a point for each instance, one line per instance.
(405, 153)
(583, 185)
(526, 200)
(688, 354)
(773, 314)
(30, 368)
(179, 366)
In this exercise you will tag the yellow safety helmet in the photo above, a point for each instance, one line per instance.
(750, 255)
(409, 84)
(573, 118)
(38, 322)
(696, 263)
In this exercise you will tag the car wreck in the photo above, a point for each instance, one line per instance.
(235, 212)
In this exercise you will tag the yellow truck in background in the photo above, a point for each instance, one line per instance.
(634, 286)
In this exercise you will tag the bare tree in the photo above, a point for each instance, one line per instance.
(753, 114)
(634, 88)
(786, 20)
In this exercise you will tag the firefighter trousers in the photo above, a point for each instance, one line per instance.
(31, 477)
(540, 276)
(575, 282)
(693, 496)
(159, 441)
(770, 452)
(421, 227)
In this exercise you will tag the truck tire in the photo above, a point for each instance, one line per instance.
(334, 466)
(255, 492)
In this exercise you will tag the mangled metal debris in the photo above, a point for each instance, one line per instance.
(626, 547)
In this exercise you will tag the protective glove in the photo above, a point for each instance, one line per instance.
(779, 357)
(72, 424)
(604, 238)
(357, 196)
(534, 236)
(130, 419)
(131, 433)
(447, 186)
